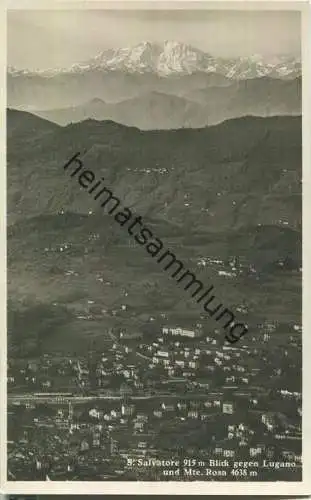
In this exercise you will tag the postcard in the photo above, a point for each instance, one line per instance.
(156, 159)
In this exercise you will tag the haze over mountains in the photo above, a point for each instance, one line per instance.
(160, 86)
(195, 109)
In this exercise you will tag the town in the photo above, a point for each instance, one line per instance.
(176, 397)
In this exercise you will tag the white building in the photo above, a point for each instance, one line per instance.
(227, 408)
(179, 331)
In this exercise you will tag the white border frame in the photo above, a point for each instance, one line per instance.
(174, 488)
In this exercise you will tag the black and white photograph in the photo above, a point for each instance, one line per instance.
(154, 165)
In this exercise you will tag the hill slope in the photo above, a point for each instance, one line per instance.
(242, 170)
(231, 190)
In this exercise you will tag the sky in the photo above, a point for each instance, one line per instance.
(50, 39)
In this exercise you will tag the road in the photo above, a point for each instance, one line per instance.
(56, 399)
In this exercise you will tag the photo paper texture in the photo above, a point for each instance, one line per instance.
(154, 248)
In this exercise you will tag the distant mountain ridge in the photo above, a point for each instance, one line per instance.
(153, 110)
(175, 58)
(198, 108)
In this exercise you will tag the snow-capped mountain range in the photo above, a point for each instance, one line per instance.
(174, 58)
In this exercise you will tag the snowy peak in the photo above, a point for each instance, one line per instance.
(164, 59)
(181, 58)
(175, 58)
(140, 58)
